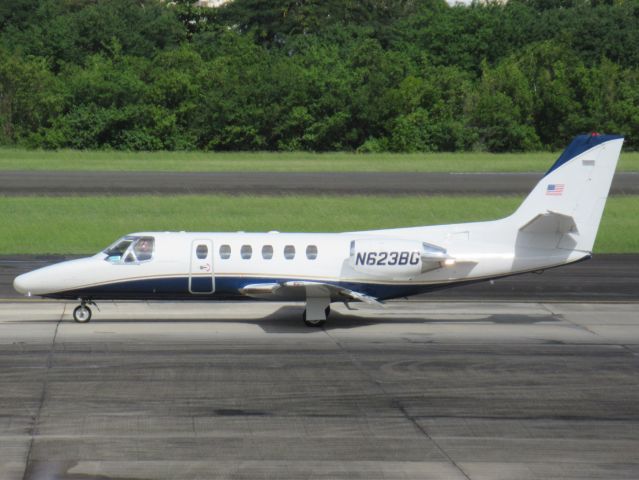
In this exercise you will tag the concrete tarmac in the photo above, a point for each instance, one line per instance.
(243, 391)
(265, 183)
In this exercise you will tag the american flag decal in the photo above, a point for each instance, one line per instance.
(555, 189)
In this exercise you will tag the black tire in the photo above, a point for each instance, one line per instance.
(313, 323)
(82, 314)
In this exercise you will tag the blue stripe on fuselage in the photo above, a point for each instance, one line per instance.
(225, 288)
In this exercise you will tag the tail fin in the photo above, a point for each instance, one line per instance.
(571, 196)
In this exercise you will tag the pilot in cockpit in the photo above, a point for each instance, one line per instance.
(144, 249)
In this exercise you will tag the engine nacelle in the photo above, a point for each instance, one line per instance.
(391, 258)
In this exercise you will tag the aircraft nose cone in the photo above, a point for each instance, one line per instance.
(21, 284)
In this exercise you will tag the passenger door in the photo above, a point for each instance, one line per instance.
(201, 277)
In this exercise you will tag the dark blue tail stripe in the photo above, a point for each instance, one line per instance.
(579, 145)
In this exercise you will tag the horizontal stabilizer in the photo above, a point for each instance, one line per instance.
(435, 257)
(433, 253)
(550, 222)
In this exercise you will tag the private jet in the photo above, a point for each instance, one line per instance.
(555, 225)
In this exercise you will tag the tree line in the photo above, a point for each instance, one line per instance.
(320, 75)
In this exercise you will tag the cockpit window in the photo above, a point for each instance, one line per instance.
(131, 250)
(143, 248)
(116, 251)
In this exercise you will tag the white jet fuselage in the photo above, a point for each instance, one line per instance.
(384, 270)
(555, 225)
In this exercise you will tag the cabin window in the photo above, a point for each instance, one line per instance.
(202, 251)
(311, 252)
(289, 252)
(246, 252)
(225, 252)
(267, 252)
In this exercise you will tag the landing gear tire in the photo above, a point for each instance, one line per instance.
(316, 323)
(82, 314)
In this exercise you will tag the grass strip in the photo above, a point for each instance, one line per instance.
(38, 225)
(20, 159)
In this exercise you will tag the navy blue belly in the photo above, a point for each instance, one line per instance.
(177, 288)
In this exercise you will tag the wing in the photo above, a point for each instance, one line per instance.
(301, 290)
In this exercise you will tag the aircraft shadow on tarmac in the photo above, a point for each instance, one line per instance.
(287, 319)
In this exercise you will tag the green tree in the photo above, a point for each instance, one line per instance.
(29, 98)
(552, 74)
(610, 101)
(502, 109)
(70, 31)
(317, 75)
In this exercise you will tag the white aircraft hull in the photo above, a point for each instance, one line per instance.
(556, 225)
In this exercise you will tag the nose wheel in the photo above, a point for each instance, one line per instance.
(82, 313)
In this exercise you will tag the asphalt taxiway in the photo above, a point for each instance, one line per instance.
(270, 183)
(417, 390)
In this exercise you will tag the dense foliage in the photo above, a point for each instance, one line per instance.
(365, 75)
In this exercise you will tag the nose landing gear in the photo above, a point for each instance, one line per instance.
(82, 313)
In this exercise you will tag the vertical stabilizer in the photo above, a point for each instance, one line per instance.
(576, 187)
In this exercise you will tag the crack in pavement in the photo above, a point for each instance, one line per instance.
(396, 403)
(43, 394)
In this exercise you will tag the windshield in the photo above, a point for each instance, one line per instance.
(130, 249)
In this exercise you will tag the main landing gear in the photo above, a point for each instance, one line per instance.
(82, 313)
(316, 311)
(316, 323)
